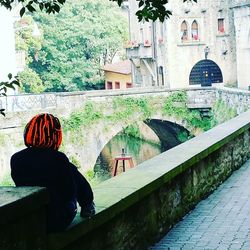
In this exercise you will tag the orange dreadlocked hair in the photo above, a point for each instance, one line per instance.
(43, 131)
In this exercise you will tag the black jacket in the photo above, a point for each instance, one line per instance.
(51, 169)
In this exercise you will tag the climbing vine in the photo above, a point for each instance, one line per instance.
(128, 110)
(222, 112)
(83, 117)
(176, 105)
(133, 130)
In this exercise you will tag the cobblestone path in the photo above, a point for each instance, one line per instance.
(222, 221)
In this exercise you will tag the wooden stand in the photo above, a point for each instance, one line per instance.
(123, 159)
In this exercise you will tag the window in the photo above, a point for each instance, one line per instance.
(141, 35)
(248, 38)
(221, 27)
(117, 85)
(128, 85)
(184, 31)
(109, 85)
(194, 31)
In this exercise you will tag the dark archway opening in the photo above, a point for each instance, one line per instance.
(205, 73)
(168, 135)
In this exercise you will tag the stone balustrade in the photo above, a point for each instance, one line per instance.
(136, 208)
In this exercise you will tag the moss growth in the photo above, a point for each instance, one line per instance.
(222, 112)
(176, 105)
(127, 110)
(2, 139)
(75, 161)
(7, 180)
(132, 130)
(83, 117)
(94, 178)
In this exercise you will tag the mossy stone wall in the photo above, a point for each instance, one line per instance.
(137, 208)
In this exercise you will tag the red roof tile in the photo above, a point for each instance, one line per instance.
(123, 67)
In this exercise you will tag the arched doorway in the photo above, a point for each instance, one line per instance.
(205, 72)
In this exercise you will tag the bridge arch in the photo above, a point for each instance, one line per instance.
(165, 135)
(162, 126)
(205, 72)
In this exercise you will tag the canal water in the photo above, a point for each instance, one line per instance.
(140, 150)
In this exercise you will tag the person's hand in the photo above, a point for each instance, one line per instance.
(88, 211)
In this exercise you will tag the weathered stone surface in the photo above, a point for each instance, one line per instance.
(22, 218)
(136, 208)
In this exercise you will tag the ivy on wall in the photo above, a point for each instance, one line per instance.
(221, 112)
(128, 110)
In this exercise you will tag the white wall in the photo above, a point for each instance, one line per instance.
(242, 28)
(7, 44)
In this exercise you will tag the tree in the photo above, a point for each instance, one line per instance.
(30, 82)
(75, 45)
(149, 9)
(10, 83)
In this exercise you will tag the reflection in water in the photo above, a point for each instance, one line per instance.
(140, 151)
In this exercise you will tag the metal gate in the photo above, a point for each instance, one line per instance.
(205, 72)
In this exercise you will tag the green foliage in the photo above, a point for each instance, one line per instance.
(7, 181)
(222, 112)
(75, 45)
(176, 105)
(132, 130)
(2, 139)
(82, 118)
(183, 136)
(127, 108)
(26, 40)
(90, 174)
(9, 84)
(75, 161)
(49, 6)
(150, 9)
(94, 178)
(30, 82)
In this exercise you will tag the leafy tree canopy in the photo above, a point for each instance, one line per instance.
(74, 45)
(149, 9)
(10, 83)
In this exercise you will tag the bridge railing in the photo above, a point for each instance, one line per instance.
(198, 97)
(17, 103)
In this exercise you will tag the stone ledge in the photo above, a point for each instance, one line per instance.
(17, 202)
(117, 194)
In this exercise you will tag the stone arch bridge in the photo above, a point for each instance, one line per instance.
(88, 141)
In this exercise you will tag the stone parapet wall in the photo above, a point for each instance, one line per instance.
(136, 208)
(22, 218)
(234, 98)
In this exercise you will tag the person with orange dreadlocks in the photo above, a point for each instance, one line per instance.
(41, 164)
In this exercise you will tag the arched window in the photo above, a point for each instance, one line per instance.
(184, 31)
(194, 31)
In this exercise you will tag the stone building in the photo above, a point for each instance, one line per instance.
(241, 11)
(196, 46)
(118, 75)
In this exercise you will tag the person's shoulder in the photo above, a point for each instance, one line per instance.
(60, 155)
(19, 153)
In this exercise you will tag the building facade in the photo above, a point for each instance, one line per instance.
(196, 46)
(7, 44)
(118, 75)
(241, 11)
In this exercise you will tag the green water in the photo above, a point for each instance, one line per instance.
(138, 149)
